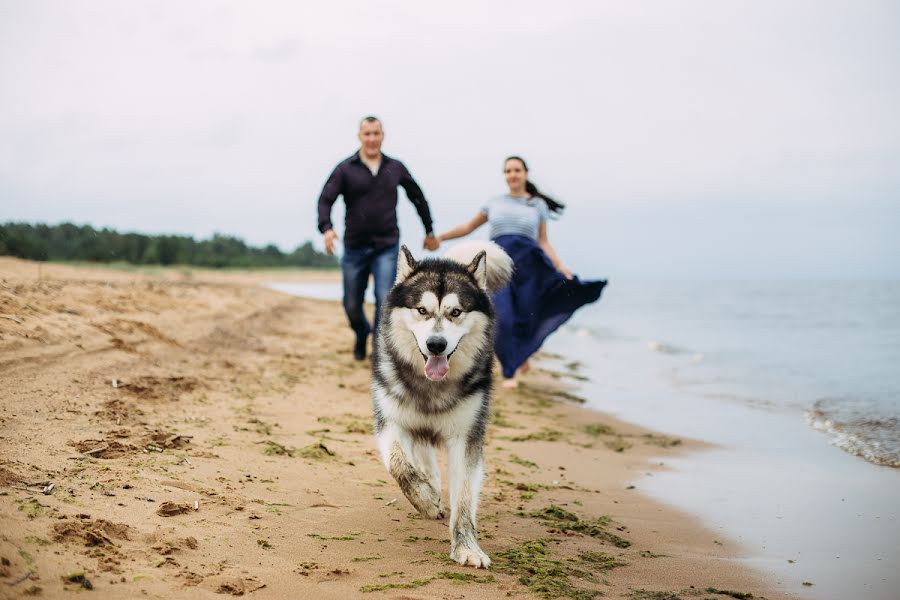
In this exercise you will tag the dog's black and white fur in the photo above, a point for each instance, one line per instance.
(431, 382)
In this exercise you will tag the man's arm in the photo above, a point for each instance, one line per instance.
(415, 195)
(333, 188)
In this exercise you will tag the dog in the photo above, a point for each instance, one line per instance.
(432, 368)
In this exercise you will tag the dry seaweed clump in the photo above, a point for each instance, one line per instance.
(78, 580)
(90, 533)
(317, 451)
(275, 449)
(544, 575)
(358, 427)
(563, 520)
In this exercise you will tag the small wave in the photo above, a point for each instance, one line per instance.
(870, 436)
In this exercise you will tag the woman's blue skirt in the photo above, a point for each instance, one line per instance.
(537, 301)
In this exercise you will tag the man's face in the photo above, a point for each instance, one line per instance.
(370, 138)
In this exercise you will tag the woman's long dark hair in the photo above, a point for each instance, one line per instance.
(553, 205)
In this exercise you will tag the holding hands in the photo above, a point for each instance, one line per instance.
(431, 242)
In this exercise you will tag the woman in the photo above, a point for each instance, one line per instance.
(543, 293)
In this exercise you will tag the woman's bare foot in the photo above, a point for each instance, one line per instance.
(526, 366)
(510, 384)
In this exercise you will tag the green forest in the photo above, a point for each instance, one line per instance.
(69, 242)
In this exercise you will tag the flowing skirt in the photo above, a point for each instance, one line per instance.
(537, 301)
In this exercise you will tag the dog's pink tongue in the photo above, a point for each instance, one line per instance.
(436, 367)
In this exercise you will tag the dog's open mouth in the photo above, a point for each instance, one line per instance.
(437, 367)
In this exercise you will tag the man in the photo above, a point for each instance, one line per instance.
(368, 181)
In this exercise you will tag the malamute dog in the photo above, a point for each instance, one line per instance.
(432, 366)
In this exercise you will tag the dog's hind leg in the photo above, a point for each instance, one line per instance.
(466, 470)
(395, 445)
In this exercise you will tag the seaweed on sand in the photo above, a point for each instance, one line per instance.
(563, 520)
(542, 574)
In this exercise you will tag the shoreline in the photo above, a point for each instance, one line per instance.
(244, 403)
(770, 481)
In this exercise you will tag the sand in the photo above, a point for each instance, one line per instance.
(207, 436)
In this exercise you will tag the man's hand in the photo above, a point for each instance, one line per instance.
(330, 237)
(431, 242)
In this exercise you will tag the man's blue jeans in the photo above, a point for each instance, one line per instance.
(357, 264)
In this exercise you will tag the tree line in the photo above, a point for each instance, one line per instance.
(69, 242)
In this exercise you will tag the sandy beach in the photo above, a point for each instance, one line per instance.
(181, 433)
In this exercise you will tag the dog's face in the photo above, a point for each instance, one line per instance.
(444, 306)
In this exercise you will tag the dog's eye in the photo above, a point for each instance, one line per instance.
(455, 313)
(422, 310)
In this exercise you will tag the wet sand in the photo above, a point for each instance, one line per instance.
(204, 435)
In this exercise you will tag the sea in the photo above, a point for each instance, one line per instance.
(795, 385)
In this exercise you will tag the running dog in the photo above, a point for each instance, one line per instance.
(432, 368)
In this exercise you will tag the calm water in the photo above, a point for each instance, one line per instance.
(829, 351)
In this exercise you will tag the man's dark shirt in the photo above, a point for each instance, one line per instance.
(371, 216)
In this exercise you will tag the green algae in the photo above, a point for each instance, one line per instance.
(499, 419)
(546, 435)
(32, 508)
(563, 520)
(619, 444)
(522, 461)
(336, 538)
(730, 593)
(417, 583)
(598, 429)
(601, 560)
(663, 441)
(531, 562)
(648, 595)
(407, 585)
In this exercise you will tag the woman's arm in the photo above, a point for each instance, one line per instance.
(544, 243)
(465, 228)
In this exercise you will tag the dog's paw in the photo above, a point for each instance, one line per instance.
(471, 556)
(435, 510)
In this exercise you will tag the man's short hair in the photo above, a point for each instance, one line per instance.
(370, 119)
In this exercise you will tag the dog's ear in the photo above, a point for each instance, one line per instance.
(405, 264)
(478, 269)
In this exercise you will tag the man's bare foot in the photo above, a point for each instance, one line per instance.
(510, 384)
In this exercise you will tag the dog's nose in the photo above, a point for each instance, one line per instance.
(436, 344)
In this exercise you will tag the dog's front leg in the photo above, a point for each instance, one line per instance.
(425, 459)
(395, 445)
(466, 470)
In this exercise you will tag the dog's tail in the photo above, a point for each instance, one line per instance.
(499, 266)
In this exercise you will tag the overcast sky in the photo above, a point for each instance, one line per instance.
(689, 139)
